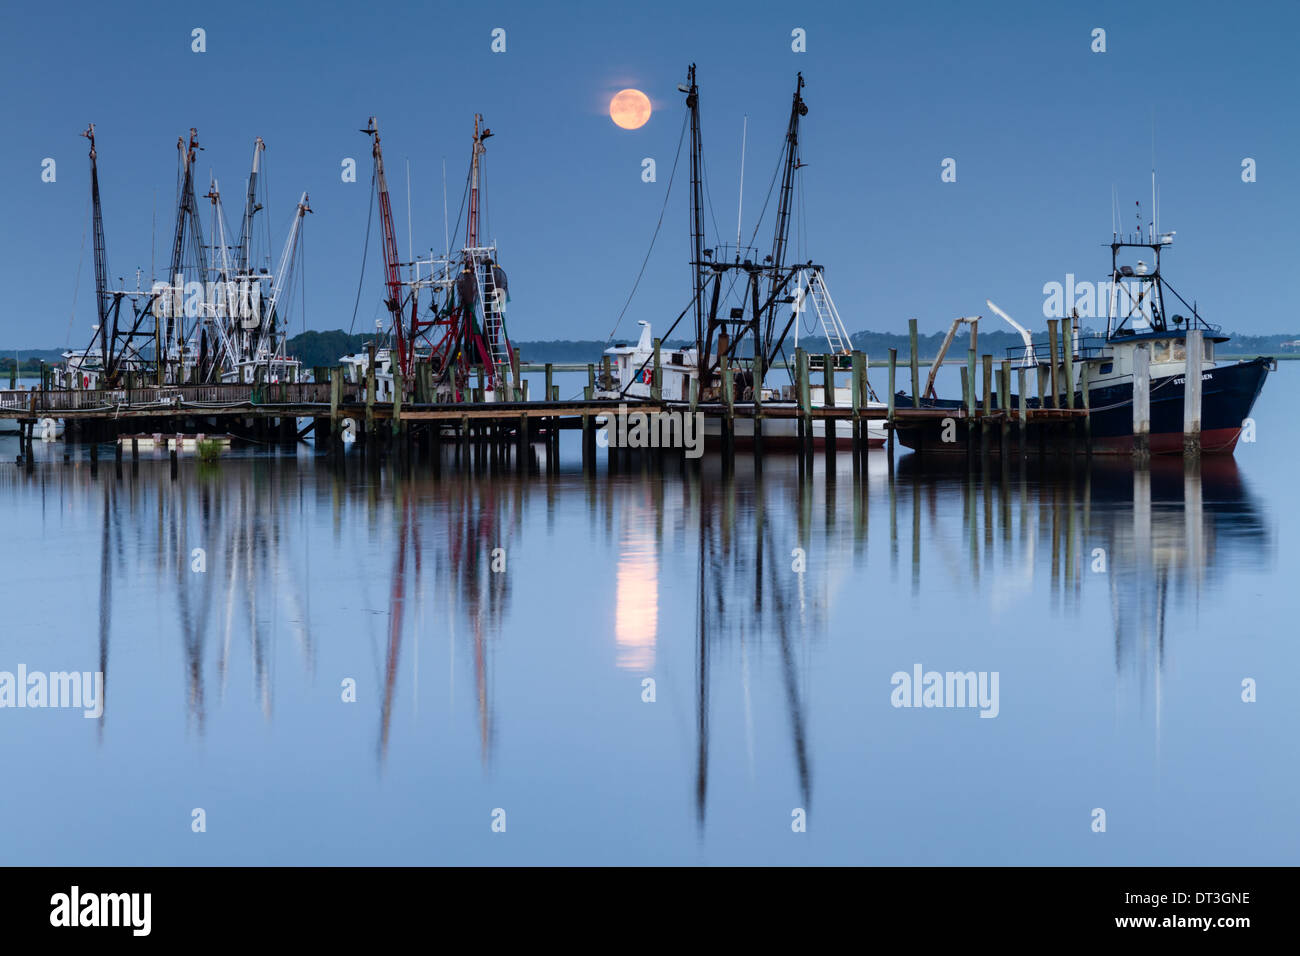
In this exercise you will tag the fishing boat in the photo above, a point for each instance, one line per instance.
(219, 315)
(745, 307)
(1138, 317)
(458, 330)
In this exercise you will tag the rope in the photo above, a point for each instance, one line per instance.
(81, 256)
(646, 260)
(365, 253)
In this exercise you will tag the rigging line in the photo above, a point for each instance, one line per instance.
(708, 195)
(646, 260)
(72, 315)
(365, 253)
(680, 316)
(463, 197)
(302, 281)
(780, 162)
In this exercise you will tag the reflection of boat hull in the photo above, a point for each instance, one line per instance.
(1228, 395)
(179, 442)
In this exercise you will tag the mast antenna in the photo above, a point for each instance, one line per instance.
(1155, 206)
(740, 208)
(410, 235)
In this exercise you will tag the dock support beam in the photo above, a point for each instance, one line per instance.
(916, 368)
(858, 388)
(1141, 405)
(1024, 407)
(889, 414)
(805, 410)
(1192, 395)
(760, 373)
(1055, 358)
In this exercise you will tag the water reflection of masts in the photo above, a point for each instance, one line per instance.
(477, 524)
(720, 557)
(111, 522)
(408, 539)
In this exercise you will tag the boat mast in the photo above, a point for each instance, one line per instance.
(251, 206)
(270, 339)
(692, 92)
(798, 108)
(472, 226)
(187, 215)
(392, 265)
(102, 295)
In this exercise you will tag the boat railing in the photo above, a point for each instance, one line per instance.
(168, 396)
(1040, 353)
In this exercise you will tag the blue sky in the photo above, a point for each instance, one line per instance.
(1041, 129)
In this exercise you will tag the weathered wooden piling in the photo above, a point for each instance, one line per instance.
(803, 398)
(397, 400)
(336, 399)
(656, 376)
(1141, 404)
(1195, 350)
(588, 437)
(729, 412)
(1052, 363)
(971, 383)
(1067, 360)
(523, 449)
(986, 423)
(858, 388)
(370, 395)
(916, 364)
(1004, 402)
(889, 413)
(1084, 377)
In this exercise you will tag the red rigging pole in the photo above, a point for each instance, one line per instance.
(392, 265)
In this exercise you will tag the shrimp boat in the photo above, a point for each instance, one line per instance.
(1137, 317)
(745, 308)
(459, 331)
(227, 323)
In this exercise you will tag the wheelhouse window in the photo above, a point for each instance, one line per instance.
(1169, 350)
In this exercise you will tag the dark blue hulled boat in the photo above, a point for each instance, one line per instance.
(1136, 319)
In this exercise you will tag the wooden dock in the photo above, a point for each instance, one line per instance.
(988, 418)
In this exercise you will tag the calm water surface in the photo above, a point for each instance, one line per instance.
(522, 689)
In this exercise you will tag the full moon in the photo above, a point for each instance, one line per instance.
(629, 109)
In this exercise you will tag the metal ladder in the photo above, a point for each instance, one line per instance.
(493, 321)
(836, 335)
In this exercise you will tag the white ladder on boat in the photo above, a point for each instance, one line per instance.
(494, 307)
(837, 336)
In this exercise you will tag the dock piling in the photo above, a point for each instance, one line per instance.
(1195, 348)
(1141, 404)
(1053, 366)
(915, 362)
